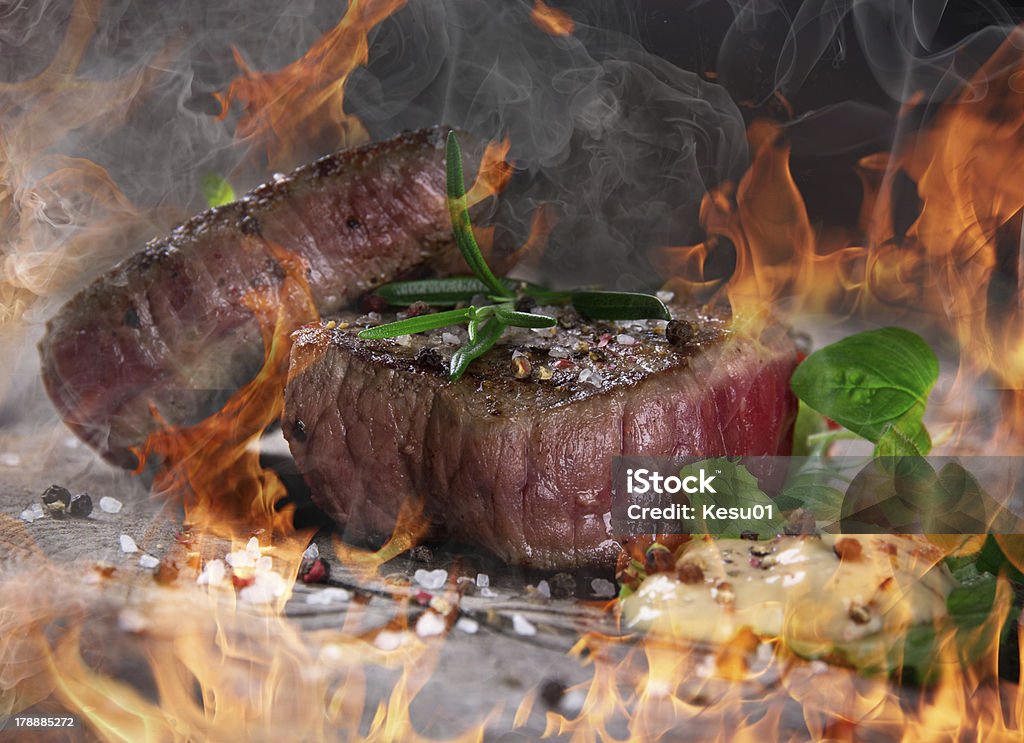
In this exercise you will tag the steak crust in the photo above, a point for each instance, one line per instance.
(168, 326)
(522, 467)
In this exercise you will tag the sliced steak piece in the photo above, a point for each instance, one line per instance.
(168, 325)
(522, 467)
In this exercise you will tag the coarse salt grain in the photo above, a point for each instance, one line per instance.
(523, 626)
(213, 573)
(253, 547)
(431, 579)
(129, 620)
(312, 552)
(602, 588)
(128, 544)
(544, 590)
(449, 339)
(467, 625)
(265, 588)
(483, 580)
(557, 352)
(9, 459)
(32, 513)
(388, 640)
(487, 593)
(239, 559)
(327, 596)
(624, 339)
(110, 505)
(148, 561)
(666, 296)
(430, 624)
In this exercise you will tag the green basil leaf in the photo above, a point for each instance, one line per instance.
(808, 422)
(418, 324)
(734, 487)
(484, 341)
(868, 380)
(434, 292)
(619, 306)
(523, 319)
(905, 437)
(217, 190)
(461, 226)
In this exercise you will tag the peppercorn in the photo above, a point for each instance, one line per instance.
(56, 494)
(521, 367)
(81, 506)
(679, 332)
(314, 571)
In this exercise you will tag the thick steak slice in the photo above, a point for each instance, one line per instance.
(523, 467)
(168, 325)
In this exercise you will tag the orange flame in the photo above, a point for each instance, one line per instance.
(304, 103)
(965, 165)
(54, 209)
(551, 20)
(214, 466)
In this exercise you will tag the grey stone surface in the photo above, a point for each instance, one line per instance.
(288, 669)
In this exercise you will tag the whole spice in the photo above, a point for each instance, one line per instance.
(521, 367)
(56, 494)
(81, 506)
(848, 549)
(315, 571)
(690, 573)
(860, 614)
(56, 500)
(679, 332)
(658, 559)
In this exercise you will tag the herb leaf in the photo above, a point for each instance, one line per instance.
(619, 306)
(434, 292)
(870, 380)
(905, 437)
(523, 319)
(735, 488)
(419, 324)
(461, 226)
(217, 190)
(486, 337)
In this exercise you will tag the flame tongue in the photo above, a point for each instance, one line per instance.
(213, 467)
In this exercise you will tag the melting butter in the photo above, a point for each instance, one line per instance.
(814, 592)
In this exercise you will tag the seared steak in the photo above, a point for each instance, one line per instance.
(168, 326)
(522, 467)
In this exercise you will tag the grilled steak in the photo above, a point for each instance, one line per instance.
(168, 326)
(522, 467)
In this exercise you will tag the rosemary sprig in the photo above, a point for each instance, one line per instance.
(486, 324)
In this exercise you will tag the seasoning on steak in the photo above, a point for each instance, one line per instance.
(168, 326)
(522, 466)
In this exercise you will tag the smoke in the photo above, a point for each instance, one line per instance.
(108, 120)
(622, 144)
(782, 43)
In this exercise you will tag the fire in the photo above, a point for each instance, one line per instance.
(304, 102)
(56, 209)
(257, 674)
(937, 272)
(551, 20)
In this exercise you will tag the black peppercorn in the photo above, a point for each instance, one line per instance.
(56, 494)
(679, 332)
(81, 506)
